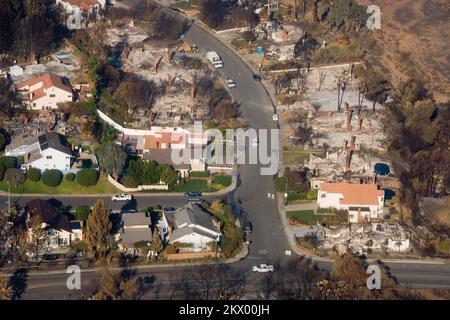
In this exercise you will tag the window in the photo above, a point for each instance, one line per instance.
(52, 95)
(49, 157)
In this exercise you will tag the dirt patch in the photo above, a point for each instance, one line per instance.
(413, 42)
(438, 208)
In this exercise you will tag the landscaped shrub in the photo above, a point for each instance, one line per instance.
(87, 177)
(52, 177)
(129, 182)
(34, 174)
(70, 176)
(20, 160)
(8, 162)
(199, 174)
(14, 176)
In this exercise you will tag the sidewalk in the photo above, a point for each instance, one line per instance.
(221, 192)
(238, 257)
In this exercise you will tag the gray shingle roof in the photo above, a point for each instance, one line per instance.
(135, 219)
(131, 236)
(179, 233)
(193, 214)
(53, 140)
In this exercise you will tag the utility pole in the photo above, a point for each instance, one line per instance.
(9, 198)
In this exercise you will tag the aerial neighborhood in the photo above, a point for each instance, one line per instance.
(120, 141)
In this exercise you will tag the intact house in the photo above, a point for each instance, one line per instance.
(136, 227)
(60, 231)
(46, 151)
(44, 92)
(85, 6)
(362, 201)
(191, 227)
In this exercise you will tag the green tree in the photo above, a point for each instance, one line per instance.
(87, 177)
(111, 158)
(213, 12)
(82, 212)
(129, 182)
(34, 174)
(70, 176)
(157, 245)
(151, 174)
(8, 162)
(10, 102)
(98, 229)
(136, 170)
(3, 141)
(52, 177)
(119, 286)
(109, 133)
(167, 174)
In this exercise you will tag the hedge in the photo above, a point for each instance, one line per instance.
(82, 212)
(129, 182)
(199, 174)
(87, 177)
(52, 177)
(34, 174)
(70, 176)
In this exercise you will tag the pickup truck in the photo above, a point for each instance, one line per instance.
(263, 268)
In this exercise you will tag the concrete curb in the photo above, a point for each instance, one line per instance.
(221, 192)
(242, 254)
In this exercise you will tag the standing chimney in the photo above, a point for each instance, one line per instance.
(347, 161)
(349, 119)
(352, 143)
(345, 144)
(374, 178)
(360, 121)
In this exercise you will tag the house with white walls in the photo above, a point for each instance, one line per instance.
(192, 226)
(362, 201)
(45, 91)
(59, 230)
(46, 151)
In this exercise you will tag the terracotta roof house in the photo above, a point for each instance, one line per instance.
(44, 91)
(71, 6)
(60, 230)
(363, 201)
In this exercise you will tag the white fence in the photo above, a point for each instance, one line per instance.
(121, 187)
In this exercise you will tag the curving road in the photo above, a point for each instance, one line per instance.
(268, 239)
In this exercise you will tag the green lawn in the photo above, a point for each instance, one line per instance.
(306, 216)
(295, 157)
(223, 180)
(197, 185)
(66, 187)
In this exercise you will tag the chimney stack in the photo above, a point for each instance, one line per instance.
(347, 161)
(360, 121)
(349, 119)
(352, 143)
(345, 144)
(374, 178)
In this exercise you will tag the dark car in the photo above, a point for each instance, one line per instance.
(257, 77)
(193, 194)
(196, 201)
(169, 209)
(247, 227)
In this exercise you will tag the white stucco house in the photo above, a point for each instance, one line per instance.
(60, 231)
(191, 226)
(363, 201)
(44, 92)
(46, 151)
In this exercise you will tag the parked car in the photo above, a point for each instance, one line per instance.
(169, 209)
(196, 201)
(247, 227)
(192, 194)
(257, 77)
(262, 268)
(230, 83)
(121, 197)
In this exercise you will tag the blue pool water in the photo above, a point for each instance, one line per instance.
(382, 169)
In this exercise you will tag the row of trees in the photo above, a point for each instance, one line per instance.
(149, 172)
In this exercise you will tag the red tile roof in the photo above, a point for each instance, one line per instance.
(48, 79)
(362, 194)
